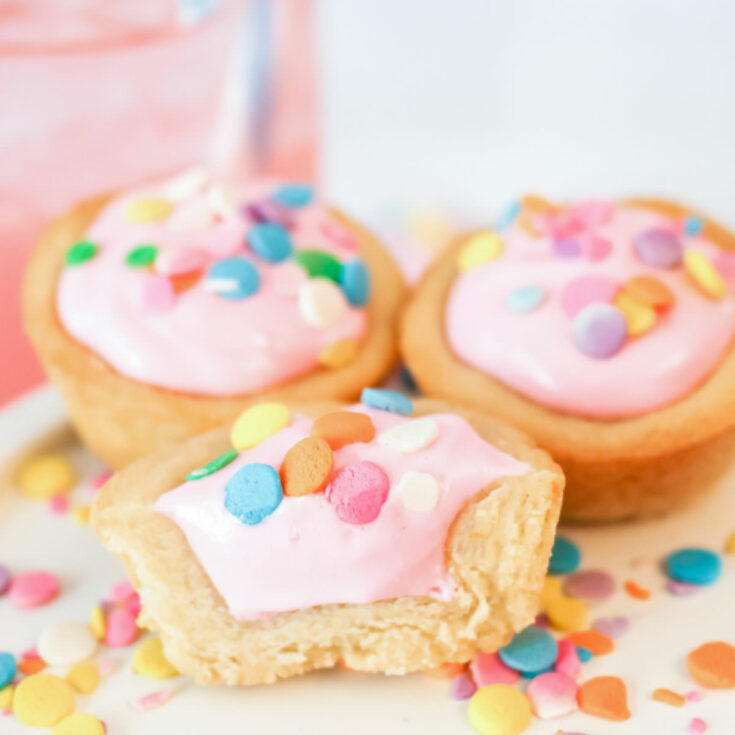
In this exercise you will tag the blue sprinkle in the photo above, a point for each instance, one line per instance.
(387, 400)
(294, 195)
(694, 566)
(531, 650)
(526, 298)
(583, 654)
(534, 674)
(506, 218)
(355, 282)
(7, 668)
(270, 241)
(693, 226)
(233, 278)
(565, 556)
(253, 493)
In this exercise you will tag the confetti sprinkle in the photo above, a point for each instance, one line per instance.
(585, 290)
(253, 493)
(33, 589)
(43, 700)
(306, 467)
(499, 709)
(505, 220)
(321, 303)
(681, 589)
(694, 566)
(153, 700)
(79, 723)
(613, 627)
(639, 316)
(387, 400)
(99, 480)
(597, 643)
(651, 291)
(318, 263)
(149, 209)
(122, 629)
(80, 514)
(141, 256)
(550, 591)
(233, 278)
(258, 423)
(213, 466)
(341, 428)
(599, 331)
(410, 436)
(593, 585)
(658, 247)
(270, 241)
(8, 667)
(66, 643)
(705, 275)
(84, 677)
(564, 248)
(357, 492)
(80, 252)
(568, 614)
(730, 543)
(636, 591)
(567, 661)
(479, 249)
(604, 696)
(44, 477)
(552, 695)
(339, 353)
(186, 184)
(269, 210)
(447, 670)
(488, 668)
(59, 505)
(150, 661)
(355, 282)
(418, 491)
(696, 726)
(525, 299)
(713, 665)
(294, 195)
(693, 226)
(533, 649)
(462, 687)
(596, 248)
(565, 556)
(666, 696)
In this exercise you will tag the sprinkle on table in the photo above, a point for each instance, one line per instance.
(713, 665)
(565, 556)
(499, 709)
(694, 566)
(604, 696)
(636, 591)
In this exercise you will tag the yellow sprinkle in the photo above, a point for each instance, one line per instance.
(551, 591)
(97, 623)
(43, 477)
(148, 660)
(258, 423)
(339, 353)
(568, 614)
(42, 700)
(480, 249)
(705, 275)
(148, 210)
(499, 709)
(730, 543)
(639, 316)
(84, 676)
(80, 513)
(6, 697)
(80, 723)
(430, 230)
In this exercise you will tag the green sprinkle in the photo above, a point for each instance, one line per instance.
(216, 464)
(80, 252)
(142, 256)
(318, 263)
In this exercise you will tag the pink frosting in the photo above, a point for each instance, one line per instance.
(303, 555)
(200, 342)
(534, 352)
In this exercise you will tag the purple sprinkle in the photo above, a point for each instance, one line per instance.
(463, 687)
(599, 331)
(658, 247)
(592, 584)
(5, 578)
(268, 210)
(612, 627)
(681, 589)
(566, 248)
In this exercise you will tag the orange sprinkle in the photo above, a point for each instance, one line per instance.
(604, 696)
(538, 204)
(594, 641)
(651, 291)
(713, 665)
(668, 697)
(184, 281)
(343, 427)
(636, 591)
(446, 671)
(306, 467)
(31, 666)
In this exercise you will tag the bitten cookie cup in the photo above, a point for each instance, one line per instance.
(341, 535)
(605, 331)
(162, 312)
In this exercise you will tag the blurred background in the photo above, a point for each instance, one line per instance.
(418, 116)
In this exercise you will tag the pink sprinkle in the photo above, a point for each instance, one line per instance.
(59, 504)
(592, 585)
(357, 492)
(157, 292)
(693, 696)
(612, 627)
(99, 480)
(463, 687)
(339, 235)
(121, 591)
(488, 668)
(122, 629)
(681, 589)
(181, 260)
(596, 248)
(152, 701)
(552, 695)
(697, 726)
(587, 290)
(567, 659)
(132, 604)
(29, 654)
(725, 264)
(592, 212)
(33, 589)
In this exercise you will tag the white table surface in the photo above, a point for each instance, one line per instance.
(650, 655)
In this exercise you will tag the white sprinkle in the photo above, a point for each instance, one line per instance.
(221, 201)
(186, 184)
(418, 491)
(67, 643)
(321, 302)
(410, 436)
(221, 285)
